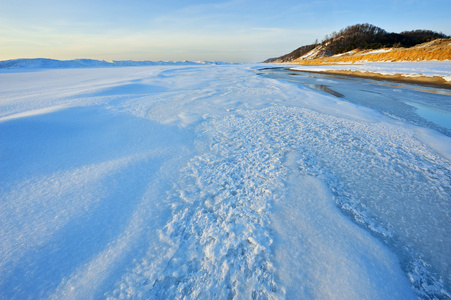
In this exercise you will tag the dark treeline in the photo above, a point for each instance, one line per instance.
(367, 36)
(364, 36)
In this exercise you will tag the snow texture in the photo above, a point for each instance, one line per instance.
(214, 182)
(406, 69)
(46, 63)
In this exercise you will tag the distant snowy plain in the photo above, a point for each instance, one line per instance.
(214, 182)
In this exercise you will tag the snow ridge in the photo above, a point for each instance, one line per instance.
(219, 242)
(217, 158)
(46, 63)
(220, 238)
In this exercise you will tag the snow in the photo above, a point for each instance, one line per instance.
(346, 53)
(212, 181)
(46, 63)
(407, 69)
(379, 51)
(312, 54)
(318, 224)
(368, 52)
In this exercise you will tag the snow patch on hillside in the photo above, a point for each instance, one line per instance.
(408, 69)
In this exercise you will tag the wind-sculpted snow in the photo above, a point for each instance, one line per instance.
(230, 191)
(46, 63)
(213, 182)
(220, 239)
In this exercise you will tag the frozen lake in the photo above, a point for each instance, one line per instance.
(416, 104)
(215, 182)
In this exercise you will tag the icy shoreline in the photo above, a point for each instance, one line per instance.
(407, 70)
(213, 182)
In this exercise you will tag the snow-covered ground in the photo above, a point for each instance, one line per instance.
(46, 63)
(213, 182)
(407, 69)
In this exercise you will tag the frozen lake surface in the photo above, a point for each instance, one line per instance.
(212, 182)
(419, 105)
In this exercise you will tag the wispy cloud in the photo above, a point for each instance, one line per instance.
(187, 29)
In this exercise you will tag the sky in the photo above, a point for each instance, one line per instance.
(226, 30)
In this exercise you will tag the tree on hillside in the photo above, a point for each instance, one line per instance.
(416, 37)
(364, 36)
(367, 36)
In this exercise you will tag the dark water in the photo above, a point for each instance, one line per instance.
(416, 104)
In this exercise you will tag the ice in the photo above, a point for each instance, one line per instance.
(211, 181)
(418, 105)
(407, 69)
(45, 63)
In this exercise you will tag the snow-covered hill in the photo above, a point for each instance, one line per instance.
(354, 42)
(45, 63)
(436, 50)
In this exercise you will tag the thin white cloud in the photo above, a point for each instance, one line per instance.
(142, 29)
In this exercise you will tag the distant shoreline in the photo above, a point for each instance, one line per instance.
(434, 81)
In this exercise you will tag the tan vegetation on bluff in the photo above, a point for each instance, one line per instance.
(366, 42)
(439, 49)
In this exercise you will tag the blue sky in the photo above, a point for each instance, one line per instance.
(229, 30)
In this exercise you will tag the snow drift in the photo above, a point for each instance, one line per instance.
(207, 181)
(45, 63)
